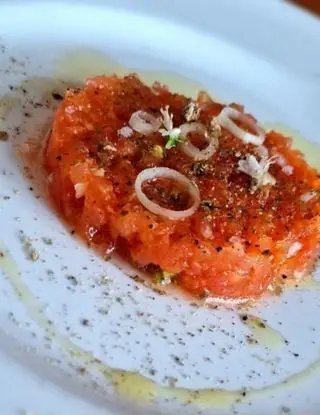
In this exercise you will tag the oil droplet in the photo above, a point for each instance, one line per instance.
(208, 398)
(137, 387)
(130, 384)
(7, 102)
(8, 265)
(309, 284)
(73, 68)
(306, 283)
(262, 333)
(134, 386)
(310, 149)
(78, 65)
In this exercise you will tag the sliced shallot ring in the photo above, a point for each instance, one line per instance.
(160, 172)
(188, 148)
(144, 123)
(225, 119)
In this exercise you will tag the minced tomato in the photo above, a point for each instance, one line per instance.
(235, 245)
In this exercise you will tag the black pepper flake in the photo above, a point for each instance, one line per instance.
(244, 317)
(266, 252)
(296, 354)
(46, 240)
(150, 226)
(219, 249)
(284, 276)
(57, 96)
(72, 232)
(27, 114)
(85, 322)
(82, 371)
(124, 213)
(205, 294)
(72, 279)
(59, 158)
(31, 189)
(4, 136)
(208, 205)
(1, 254)
(177, 360)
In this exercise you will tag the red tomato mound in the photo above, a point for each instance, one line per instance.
(238, 244)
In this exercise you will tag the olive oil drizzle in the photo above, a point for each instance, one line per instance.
(132, 385)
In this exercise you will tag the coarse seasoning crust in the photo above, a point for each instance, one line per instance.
(258, 217)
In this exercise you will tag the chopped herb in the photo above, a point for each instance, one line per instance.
(173, 134)
(34, 255)
(200, 168)
(29, 250)
(104, 280)
(163, 277)
(158, 151)
(47, 241)
(207, 205)
(172, 141)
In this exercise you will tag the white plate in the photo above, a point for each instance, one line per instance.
(264, 54)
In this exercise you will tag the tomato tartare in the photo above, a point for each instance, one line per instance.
(193, 191)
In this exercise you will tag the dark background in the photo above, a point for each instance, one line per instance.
(311, 5)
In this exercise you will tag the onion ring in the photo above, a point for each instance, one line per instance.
(225, 119)
(144, 123)
(159, 172)
(188, 148)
